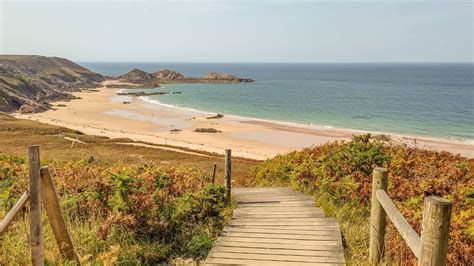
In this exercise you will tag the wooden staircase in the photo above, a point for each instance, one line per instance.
(277, 226)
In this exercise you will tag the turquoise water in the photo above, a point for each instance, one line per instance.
(417, 99)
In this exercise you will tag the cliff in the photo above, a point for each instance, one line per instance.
(28, 82)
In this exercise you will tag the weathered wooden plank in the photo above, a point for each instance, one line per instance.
(275, 196)
(277, 258)
(277, 216)
(275, 251)
(282, 206)
(282, 241)
(249, 190)
(282, 223)
(291, 209)
(249, 230)
(278, 211)
(226, 261)
(404, 228)
(288, 219)
(334, 227)
(12, 213)
(277, 245)
(281, 236)
(275, 200)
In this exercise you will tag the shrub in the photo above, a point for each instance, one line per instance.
(339, 176)
(207, 130)
(131, 214)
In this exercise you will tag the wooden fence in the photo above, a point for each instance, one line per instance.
(431, 248)
(42, 193)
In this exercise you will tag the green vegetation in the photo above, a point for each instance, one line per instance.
(122, 203)
(25, 79)
(218, 116)
(207, 130)
(339, 176)
(139, 205)
(149, 214)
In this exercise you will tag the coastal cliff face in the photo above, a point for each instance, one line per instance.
(28, 82)
(166, 76)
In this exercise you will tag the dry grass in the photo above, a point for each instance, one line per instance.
(17, 134)
(167, 196)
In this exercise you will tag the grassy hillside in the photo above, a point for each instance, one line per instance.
(339, 177)
(125, 204)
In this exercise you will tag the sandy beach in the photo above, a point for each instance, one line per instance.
(103, 112)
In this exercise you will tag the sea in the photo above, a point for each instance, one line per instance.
(416, 99)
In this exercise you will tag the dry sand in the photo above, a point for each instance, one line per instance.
(103, 113)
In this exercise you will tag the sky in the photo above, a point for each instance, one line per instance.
(240, 31)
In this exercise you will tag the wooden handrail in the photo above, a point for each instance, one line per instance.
(404, 228)
(12, 213)
(431, 248)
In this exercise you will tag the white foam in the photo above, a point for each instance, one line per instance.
(298, 125)
(148, 100)
(283, 123)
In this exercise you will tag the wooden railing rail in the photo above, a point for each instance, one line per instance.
(431, 248)
(12, 213)
(404, 228)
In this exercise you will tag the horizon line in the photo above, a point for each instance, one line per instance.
(284, 62)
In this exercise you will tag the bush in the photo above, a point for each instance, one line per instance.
(339, 176)
(207, 130)
(119, 213)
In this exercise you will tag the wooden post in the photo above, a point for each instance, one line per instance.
(36, 227)
(228, 173)
(214, 173)
(377, 217)
(435, 231)
(56, 219)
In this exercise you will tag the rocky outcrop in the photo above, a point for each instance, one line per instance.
(224, 78)
(137, 76)
(29, 82)
(142, 93)
(166, 76)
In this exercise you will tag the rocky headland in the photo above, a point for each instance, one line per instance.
(29, 82)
